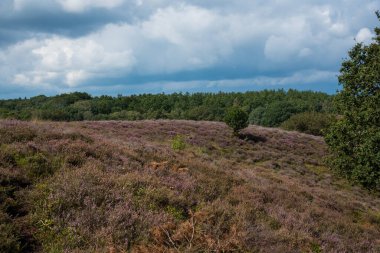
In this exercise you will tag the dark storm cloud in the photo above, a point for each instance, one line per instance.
(30, 22)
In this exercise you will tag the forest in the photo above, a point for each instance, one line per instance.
(266, 108)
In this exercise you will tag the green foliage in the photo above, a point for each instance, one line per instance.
(125, 115)
(256, 115)
(268, 107)
(175, 212)
(309, 122)
(273, 114)
(37, 166)
(178, 143)
(236, 118)
(16, 134)
(355, 139)
(316, 248)
(9, 241)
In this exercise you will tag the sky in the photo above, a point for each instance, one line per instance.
(153, 46)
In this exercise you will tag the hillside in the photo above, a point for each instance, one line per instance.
(113, 186)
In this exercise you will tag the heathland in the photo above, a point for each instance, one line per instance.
(175, 186)
(172, 185)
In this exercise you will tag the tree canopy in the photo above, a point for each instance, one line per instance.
(267, 108)
(236, 118)
(355, 138)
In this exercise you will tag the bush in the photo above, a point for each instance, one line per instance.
(13, 132)
(9, 241)
(178, 143)
(37, 165)
(314, 123)
(236, 118)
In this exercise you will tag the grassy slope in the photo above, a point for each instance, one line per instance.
(117, 186)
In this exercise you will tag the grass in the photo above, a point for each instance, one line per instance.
(175, 186)
(178, 143)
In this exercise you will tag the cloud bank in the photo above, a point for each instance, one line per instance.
(148, 46)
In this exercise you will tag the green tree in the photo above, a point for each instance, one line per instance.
(267, 108)
(236, 118)
(273, 114)
(314, 123)
(354, 139)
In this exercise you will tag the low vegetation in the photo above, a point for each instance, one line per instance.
(175, 186)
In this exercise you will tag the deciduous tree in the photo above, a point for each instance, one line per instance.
(355, 139)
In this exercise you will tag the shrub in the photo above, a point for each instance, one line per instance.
(16, 133)
(9, 241)
(236, 118)
(7, 158)
(37, 166)
(315, 248)
(309, 122)
(178, 143)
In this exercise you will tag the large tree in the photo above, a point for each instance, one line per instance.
(355, 139)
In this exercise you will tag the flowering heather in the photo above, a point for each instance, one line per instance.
(118, 186)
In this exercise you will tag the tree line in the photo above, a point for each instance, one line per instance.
(266, 108)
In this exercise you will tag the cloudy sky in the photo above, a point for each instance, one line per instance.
(150, 46)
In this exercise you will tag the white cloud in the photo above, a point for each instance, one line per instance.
(21, 5)
(280, 48)
(76, 76)
(73, 6)
(62, 61)
(166, 37)
(364, 35)
(34, 78)
(187, 37)
(60, 53)
(18, 4)
(305, 52)
(173, 39)
(82, 5)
